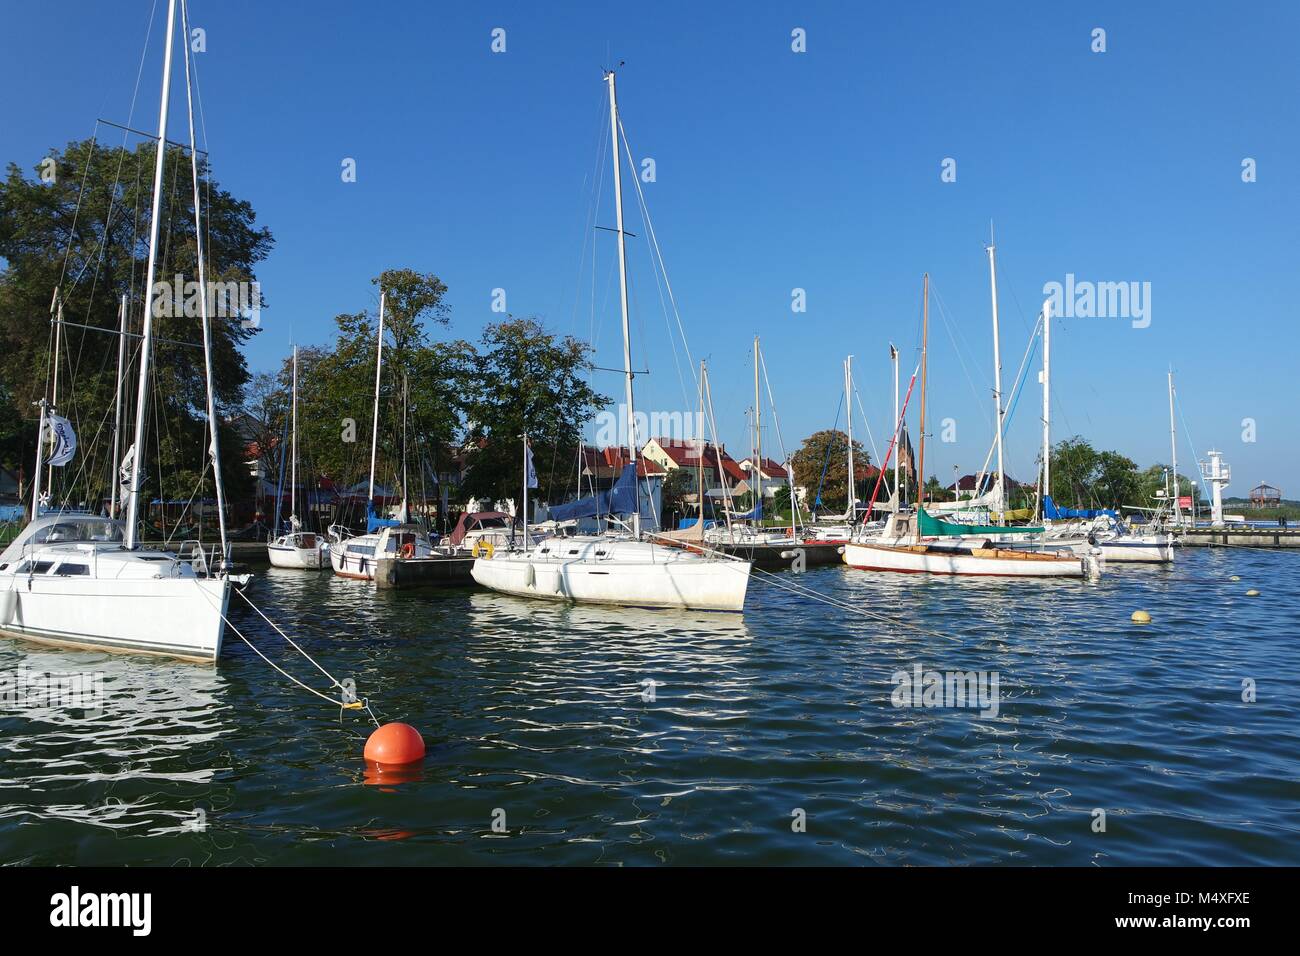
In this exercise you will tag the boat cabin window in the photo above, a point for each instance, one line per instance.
(41, 567)
(73, 569)
(79, 529)
(306, 541)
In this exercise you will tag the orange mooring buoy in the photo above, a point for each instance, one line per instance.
(395, 744)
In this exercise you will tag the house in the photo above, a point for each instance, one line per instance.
(699, 460)
(968, 485)
(771, 475)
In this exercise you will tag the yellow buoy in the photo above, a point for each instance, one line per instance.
(1141, 617)
(1252, 593)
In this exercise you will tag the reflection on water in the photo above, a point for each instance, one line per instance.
(580, 734)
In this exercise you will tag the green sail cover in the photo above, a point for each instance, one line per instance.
(932, 527)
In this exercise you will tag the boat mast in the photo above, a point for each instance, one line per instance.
(374, 424)
(54, 401)
(925, 338)
(622, 285)
(146, 340)
(997, 380)
(1047, 404)
(1173, 449)
(293, 472)
(758, 437)
(852, 510)
(214, 451)
(699, 458)
(114, 481)
(898, 426)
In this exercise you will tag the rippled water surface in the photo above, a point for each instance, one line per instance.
(537, 718)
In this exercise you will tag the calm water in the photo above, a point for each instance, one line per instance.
(535, 712)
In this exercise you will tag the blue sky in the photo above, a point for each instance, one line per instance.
(775, 170)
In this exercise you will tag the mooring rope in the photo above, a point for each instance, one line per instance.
(362, 704)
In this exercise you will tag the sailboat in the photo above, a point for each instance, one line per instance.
(84, 581)
(962, 556)
(635, 569)
(386, 539)
(304, 550)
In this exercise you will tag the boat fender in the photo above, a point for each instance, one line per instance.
(8, 604)
(530, 577)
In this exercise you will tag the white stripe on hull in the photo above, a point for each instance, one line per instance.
(177, 617)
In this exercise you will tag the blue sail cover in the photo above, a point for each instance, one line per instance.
(619, 500)
(374, 522)
(1052, 513)
(756, 514)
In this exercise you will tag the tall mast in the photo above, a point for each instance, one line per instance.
(997, 381)
(758, 433)
(293, 473)
(898, 427)
(699, 459)
(374, 424)
(1047, 403)
(622, 285)
(852, 509)
(925, 339)
(215, 450)
(117, 411)
(1173, 449)
(146, 340)
(40, 458)
(54, 401)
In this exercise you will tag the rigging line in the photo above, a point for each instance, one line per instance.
(135, 93)
(595, 179)
(948, 327)
(785, 457)
(654, 241)
(865, 419)
(654, 271)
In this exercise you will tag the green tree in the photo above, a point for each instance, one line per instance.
(1075, 467)
(528, 380)
(85, 232)
(812, 457)
(424, 381)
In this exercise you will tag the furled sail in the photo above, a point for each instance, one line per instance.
(619, 500)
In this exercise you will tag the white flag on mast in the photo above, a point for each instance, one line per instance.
(62, 439)
(530, 473)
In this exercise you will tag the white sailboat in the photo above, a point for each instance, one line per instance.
(961, 556)
(356, 556)
(630, 570)
(303, 550)
(83, 581)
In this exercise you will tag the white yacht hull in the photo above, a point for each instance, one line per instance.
(182, 617)
(1134, 550)
(356, 566)
(677, 580)
(983, 562)
(287, 556)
